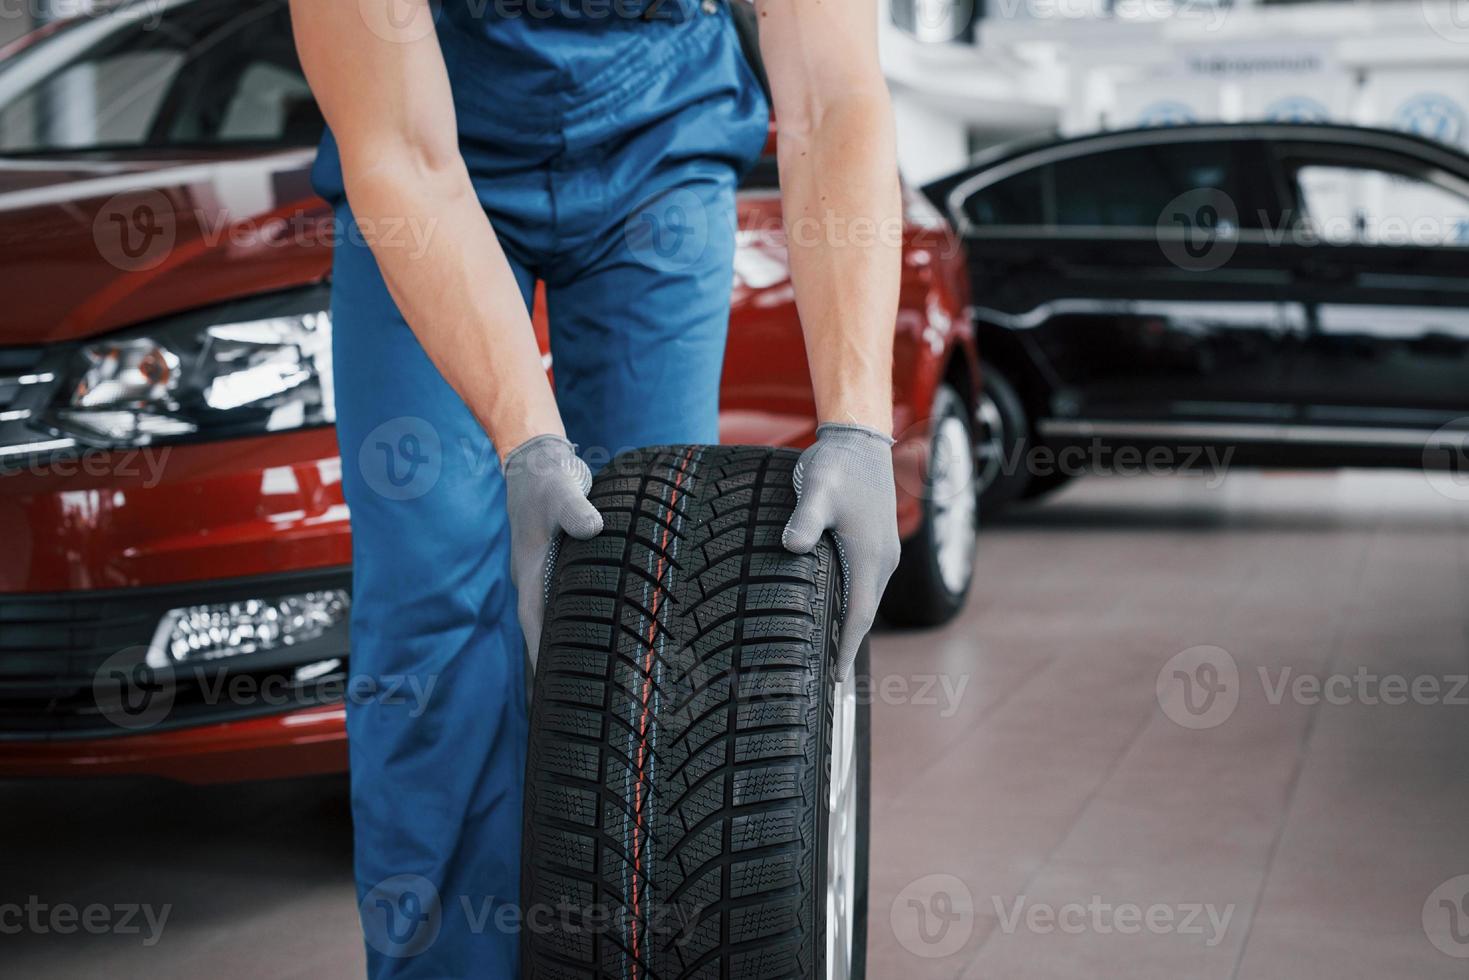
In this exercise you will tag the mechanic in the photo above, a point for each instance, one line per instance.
(594, 145)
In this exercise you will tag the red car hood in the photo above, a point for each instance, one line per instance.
(94, 243)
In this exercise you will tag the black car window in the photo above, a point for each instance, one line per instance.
(1357, 198)
(1133, 186)
(1015, 201)
(764, 175)
(210, 72)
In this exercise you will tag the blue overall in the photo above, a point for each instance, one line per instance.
(605, 145)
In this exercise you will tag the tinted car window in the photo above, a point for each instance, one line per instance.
(1373, 206)
(1132, 187)
(764, 174)
(1127, 188)
(203, 73)
(1018, 200)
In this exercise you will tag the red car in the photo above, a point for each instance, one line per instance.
(175, 572)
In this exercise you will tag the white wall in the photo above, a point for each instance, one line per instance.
(931, 141)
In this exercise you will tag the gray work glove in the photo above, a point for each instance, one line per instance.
(844, 483)
(546, 486)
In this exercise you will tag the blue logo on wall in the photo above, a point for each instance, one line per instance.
(1166, 114)
(1297, 109)
(1434, 116)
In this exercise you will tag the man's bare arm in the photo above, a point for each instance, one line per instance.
(840, 197)
(385, 93)
(842, 207)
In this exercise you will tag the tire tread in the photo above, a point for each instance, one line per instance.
(731, 778)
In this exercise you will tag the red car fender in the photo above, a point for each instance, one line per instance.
(934, 345)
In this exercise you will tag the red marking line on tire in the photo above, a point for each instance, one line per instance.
(637, 849)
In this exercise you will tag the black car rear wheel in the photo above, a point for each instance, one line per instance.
(696, 783)
(1003, 439)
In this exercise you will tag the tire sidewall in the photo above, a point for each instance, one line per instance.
(862, 865)
(862, 752)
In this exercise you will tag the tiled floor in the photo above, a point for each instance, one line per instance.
(1051, 800)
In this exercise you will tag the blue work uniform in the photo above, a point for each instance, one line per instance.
(605, 139)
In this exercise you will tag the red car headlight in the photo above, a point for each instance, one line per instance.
(201, 377)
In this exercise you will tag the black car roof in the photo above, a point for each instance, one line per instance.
(1345, 132)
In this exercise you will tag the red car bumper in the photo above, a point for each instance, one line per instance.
(306, 742)
(99, 550)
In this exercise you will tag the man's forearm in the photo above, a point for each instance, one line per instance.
(379, 76)
(842, 208)
(455, 288)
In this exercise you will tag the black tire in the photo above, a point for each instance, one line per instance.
(680, 735)
(1004, 441)
(921, 591)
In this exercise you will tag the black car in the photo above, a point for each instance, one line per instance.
(1256, 294)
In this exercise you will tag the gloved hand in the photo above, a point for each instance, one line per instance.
(845, 483)
(546, 486)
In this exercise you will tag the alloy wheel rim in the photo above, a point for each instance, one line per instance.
(990, 446)
(841, 834)
(954, 505)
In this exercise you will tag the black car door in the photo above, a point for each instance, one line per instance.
(1378, 252)
(1136, 269)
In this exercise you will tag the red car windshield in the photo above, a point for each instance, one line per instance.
(159, 75)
